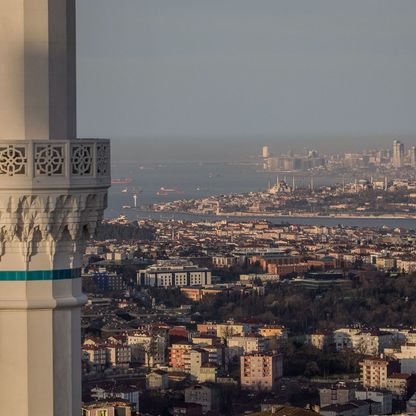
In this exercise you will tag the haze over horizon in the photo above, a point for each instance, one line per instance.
(268, 70)
(242, 148)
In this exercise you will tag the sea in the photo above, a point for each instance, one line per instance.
(169, 181)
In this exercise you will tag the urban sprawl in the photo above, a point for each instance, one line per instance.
(248, 317)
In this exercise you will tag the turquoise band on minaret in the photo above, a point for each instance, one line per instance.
(36, 275)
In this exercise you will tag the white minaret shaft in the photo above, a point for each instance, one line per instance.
(53, 190)
(37, 75)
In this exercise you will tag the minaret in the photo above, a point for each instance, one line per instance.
(53, 190)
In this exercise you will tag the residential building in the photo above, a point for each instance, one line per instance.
(216, 354)
(179, 355)
(248, 344)
(223, 261)
(157, 380)
(361, 341)
(208, 328)
(118, 355)
(204, 394)
(401, 385)
(374, 372)
(103, 281)
(96, 356)
(207, 373)
(197, 358)
(198, 293)
(107, 409)
(383, 397)
(229, 329)
(147, 348)
(204, 339)
(352, 408)
(276, 335)
(260, 371)
(174, 274)
(407, 357)
(330, 396)
(124, 392)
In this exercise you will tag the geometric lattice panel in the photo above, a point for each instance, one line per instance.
(49, 159)
(82, 159)
(13, 160)
(103, 159)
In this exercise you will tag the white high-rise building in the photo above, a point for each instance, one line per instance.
(265, 152)
(398, 154)
(53, 190)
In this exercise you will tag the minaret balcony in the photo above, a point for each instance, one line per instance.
(54, 164)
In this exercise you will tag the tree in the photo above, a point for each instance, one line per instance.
(312, 369)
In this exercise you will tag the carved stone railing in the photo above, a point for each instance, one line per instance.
(52, 196)
(54, 163)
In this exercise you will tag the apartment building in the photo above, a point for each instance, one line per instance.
(170, 273)
(375, 371)
(260, 371)
(228, 329)
(361, 341)
(329, 396)
(157, 380)
(118, 355)
(179, 356)
(147, 348)
(207, 328)
(96, 356)
(343, 395)
(205, 395)
(401, 385)
(122, 392)
(248, 344)
(107, 409)
(384, 398)
(276, 335)
(197, 358)
(207, 373)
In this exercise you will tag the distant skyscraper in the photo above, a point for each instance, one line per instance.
(53, 190)
(398, 154)
(413, 156)
(265, 151)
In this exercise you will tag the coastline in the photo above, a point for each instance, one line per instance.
(240, 214)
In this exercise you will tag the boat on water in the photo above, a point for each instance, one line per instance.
(125, 190)
(122, 181)
(166, 191)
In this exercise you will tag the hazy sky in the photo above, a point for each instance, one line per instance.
(274, 68)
